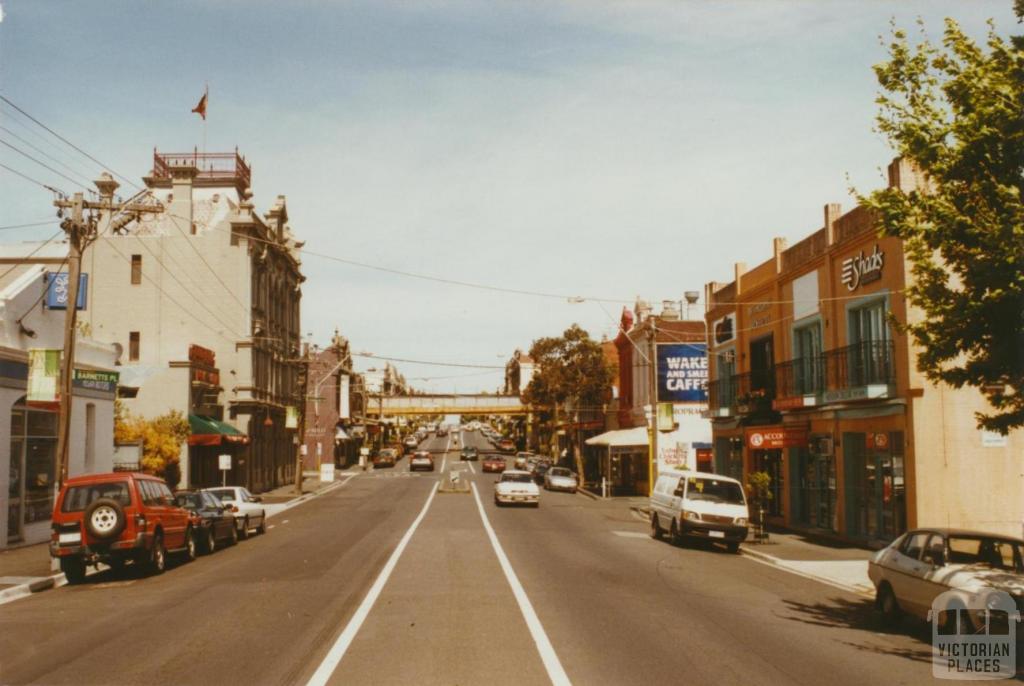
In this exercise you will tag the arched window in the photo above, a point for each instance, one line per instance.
(33, 467)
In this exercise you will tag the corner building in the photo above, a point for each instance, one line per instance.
(811, 383)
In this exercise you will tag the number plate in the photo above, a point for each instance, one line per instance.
(70, 538)
(716, 534)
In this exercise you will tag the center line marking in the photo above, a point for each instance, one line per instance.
(340, 647)
(547, 652)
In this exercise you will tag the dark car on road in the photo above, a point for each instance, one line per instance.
(470, 454)
(539, 469)
(212, 522)
(387, 457)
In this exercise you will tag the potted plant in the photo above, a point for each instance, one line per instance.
(760, 494)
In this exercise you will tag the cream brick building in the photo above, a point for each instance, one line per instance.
(204, 298)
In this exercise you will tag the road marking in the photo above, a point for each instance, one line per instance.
(444, 461)
(340, 647)
(471, 467)
(632, 534)
(270, 526)
(547, 652)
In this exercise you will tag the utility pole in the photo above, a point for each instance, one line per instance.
(652, 363)
(81, 231)
(302, 378)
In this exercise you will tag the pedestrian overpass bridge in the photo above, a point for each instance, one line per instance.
(405, 405)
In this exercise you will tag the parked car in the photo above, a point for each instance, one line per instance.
(494, 463)
(699, 505)
(421, 459)
(387, 457)
(539, 469)
(507, 445)
(441, 432)
(246, 507)
(212, 521)
(912, 572)
(116, 518)
(516, 486)
(470, 453)
(560, 479)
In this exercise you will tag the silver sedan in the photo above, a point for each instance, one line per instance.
(560, 479)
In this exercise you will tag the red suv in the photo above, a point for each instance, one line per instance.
(116, 518)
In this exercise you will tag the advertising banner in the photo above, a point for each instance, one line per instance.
(682, 373)
(343, 392)
(43, 375)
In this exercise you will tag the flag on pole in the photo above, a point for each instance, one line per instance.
(200, 109)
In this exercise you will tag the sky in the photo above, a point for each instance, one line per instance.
(585, 150)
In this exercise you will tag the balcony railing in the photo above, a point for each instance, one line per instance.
(862, 364)
(869, 363)
(213, 168)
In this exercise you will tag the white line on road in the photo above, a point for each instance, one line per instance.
(547, 652)
(340, 647)
(471, 467)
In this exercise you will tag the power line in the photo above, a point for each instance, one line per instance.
(57, 135)
(41, 164)
(25, 226)
(29, 178)
(47, 155)
(434, 364)
(24, 260)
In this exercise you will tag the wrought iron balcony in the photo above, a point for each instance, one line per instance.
(802, 376)
(742, 393)
(862, 364)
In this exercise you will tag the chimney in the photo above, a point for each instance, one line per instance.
(903, 175)
(669, 311)
(182, 177)
(833, 211)
(642, 309)
(778, 247)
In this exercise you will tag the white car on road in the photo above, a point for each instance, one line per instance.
(516, 486)
(247, 508)
(914, 570)
(560, 479)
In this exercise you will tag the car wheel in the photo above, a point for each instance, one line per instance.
(73, 568)
(211, 541)
(116, 565)
(104, 519)
(243, 533)
(656, 532)
(158, 556)
(234, 535)
(733, 546)
(673, 534)
(888, 608)
(190, 545)
(262, 528)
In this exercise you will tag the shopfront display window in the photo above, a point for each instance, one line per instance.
(770, 462)
(33, 467)
(729, 457)
(814, 483)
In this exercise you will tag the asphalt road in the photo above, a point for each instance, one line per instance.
(584, 597)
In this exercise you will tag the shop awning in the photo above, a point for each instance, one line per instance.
(210, 431)
(620, 438)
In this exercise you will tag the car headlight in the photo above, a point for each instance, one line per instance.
(692, 516)
(740, 521)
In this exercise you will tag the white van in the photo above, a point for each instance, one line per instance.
(699, 505)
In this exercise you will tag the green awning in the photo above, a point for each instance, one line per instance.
(210, 431)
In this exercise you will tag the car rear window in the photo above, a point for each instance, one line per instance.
(224, 493)
(559, 471)
(517, 478)
(77, 498)
(995, 553)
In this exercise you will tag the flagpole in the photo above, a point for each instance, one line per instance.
(206, 95)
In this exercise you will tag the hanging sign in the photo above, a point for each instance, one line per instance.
(775, 437)
(57, 292)
(291, 419)
(343, 394)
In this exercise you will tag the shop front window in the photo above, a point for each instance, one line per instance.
(770, 461)
(814, 483)
(33, 467)
(876, 490)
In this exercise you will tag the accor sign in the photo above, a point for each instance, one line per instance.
(774, 437)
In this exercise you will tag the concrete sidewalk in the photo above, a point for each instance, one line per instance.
(27, 569)
(836, 564)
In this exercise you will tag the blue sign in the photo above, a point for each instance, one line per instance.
(57, 290)
(682, 373)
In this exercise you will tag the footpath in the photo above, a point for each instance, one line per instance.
(836, 564)
(29, 569)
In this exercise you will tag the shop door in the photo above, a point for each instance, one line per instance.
(14, 495)
(875, 488)
(817, 473)
(770, 461)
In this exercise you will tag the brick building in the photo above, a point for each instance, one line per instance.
(811, 383)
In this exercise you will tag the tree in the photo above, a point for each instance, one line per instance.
(954, 111)
(161, 441)
(570, 367)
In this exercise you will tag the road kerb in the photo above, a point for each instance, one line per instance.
(771, 560)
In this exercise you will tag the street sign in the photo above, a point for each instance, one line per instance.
(225, 467)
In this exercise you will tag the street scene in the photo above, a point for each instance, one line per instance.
(511, 343)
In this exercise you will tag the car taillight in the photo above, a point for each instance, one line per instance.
(234, 508)
(140, 522)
